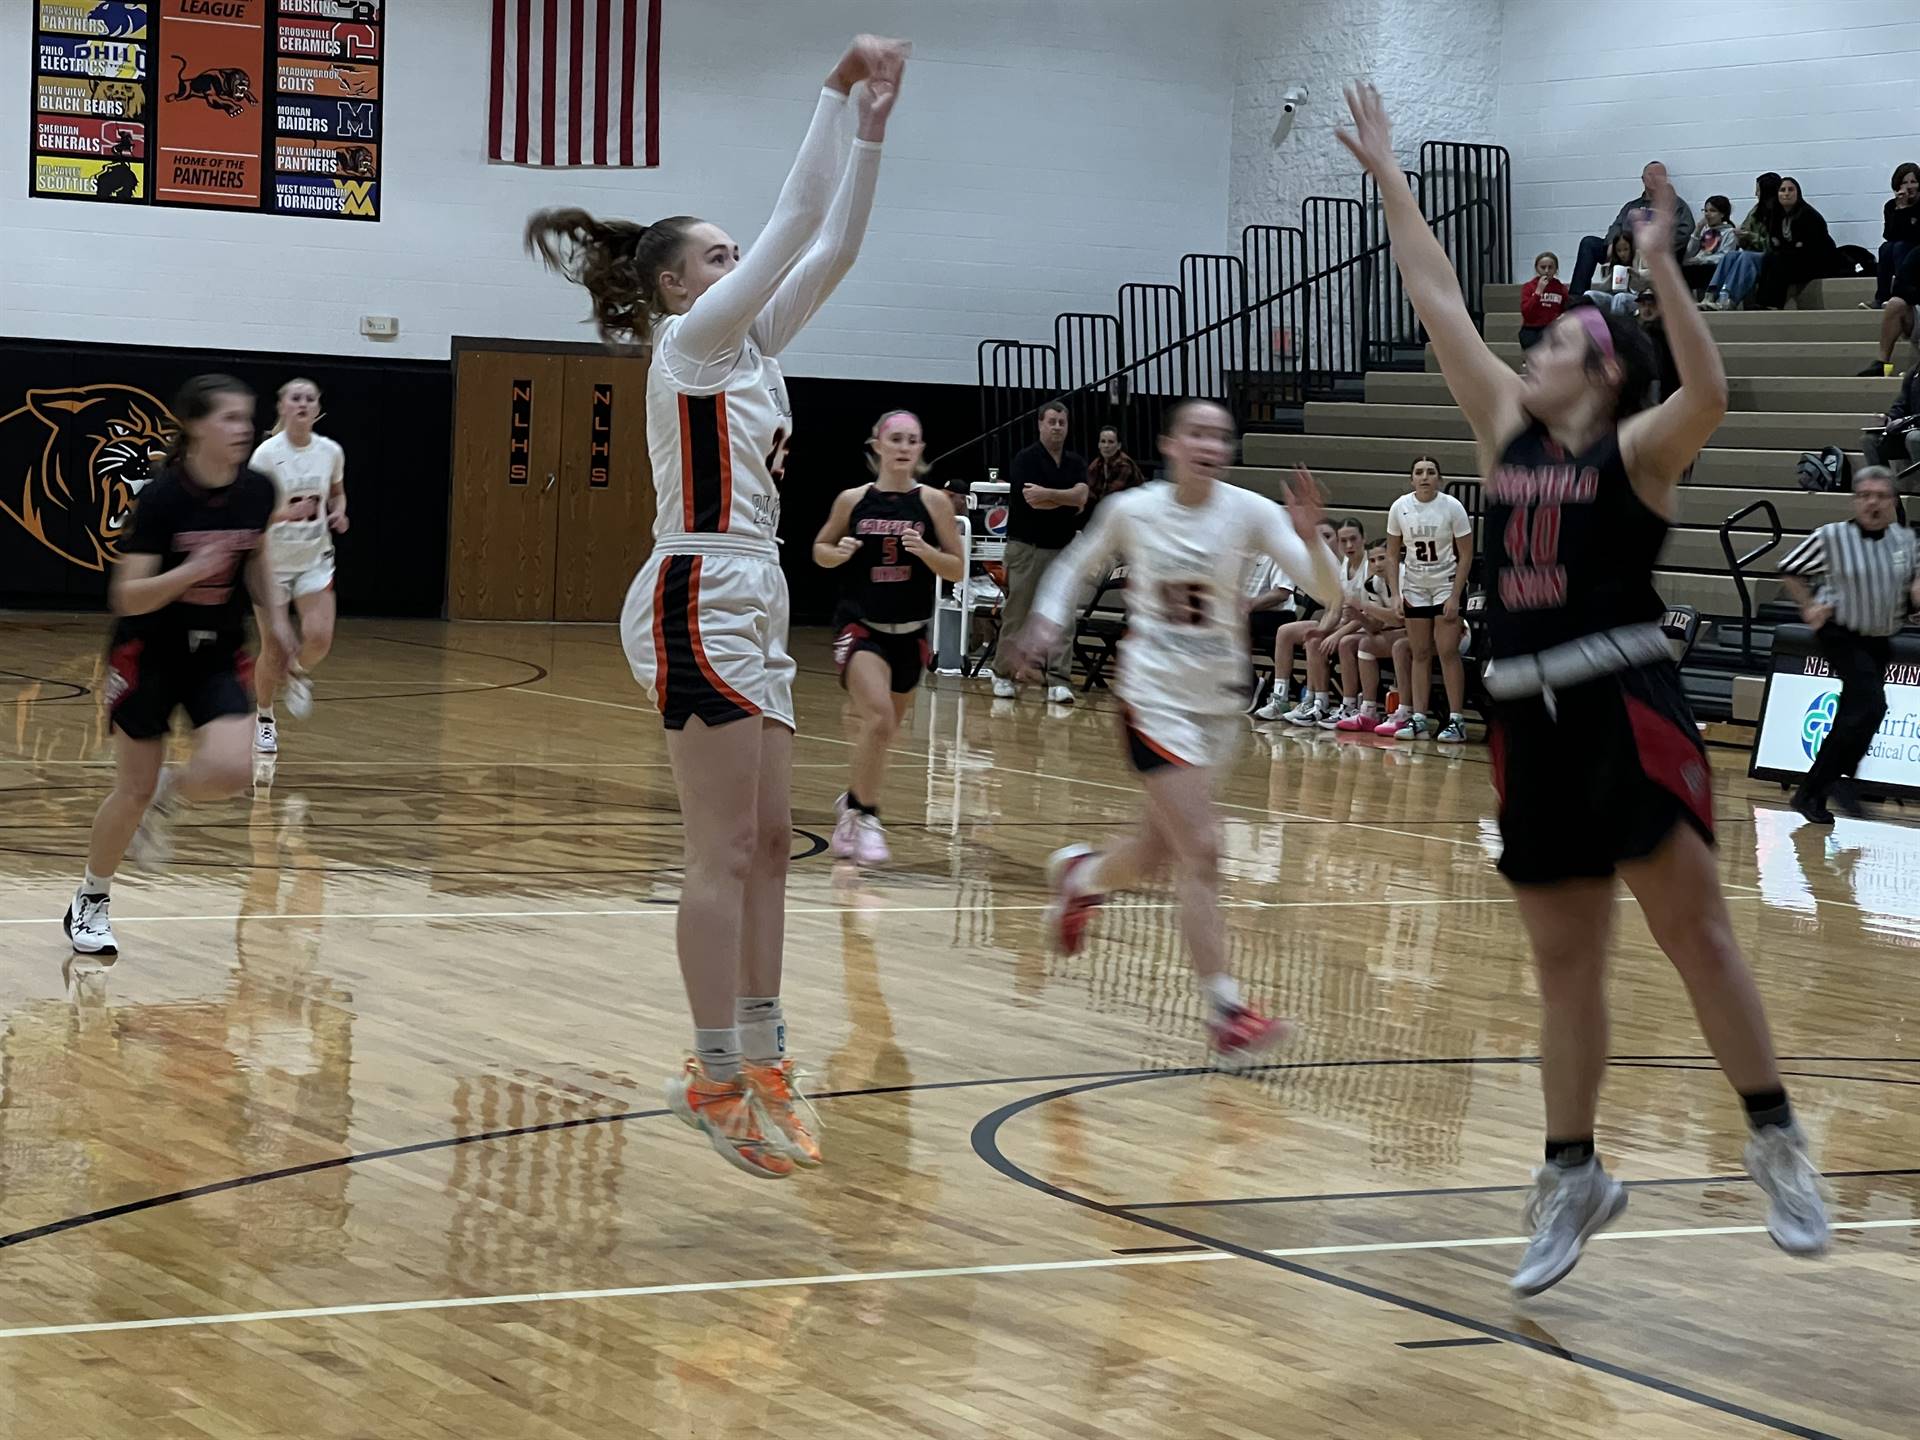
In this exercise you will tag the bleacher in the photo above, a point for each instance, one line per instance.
(1792, 388)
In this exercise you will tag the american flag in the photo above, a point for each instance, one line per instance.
(575, 82)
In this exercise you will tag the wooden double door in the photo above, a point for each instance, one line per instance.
(553, 494)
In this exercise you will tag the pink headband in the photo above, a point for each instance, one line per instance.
(880, 425)
(1596, 326)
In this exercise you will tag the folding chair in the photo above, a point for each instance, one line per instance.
(1097, 633)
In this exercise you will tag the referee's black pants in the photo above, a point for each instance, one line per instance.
(1859, 662)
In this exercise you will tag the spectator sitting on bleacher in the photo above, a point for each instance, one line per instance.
(1293, 635)
(1666, 374)
(1543, 299)
(1624, 277)
(1594, 248)
(1896, 444)
(1900, 235)
(1712, 242)
(1897, 318)
(1801, 248)
(1737, 274)
(1112, 471)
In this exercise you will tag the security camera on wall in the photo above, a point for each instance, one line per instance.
(1290, 104)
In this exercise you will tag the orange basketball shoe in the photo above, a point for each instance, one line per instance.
(777, 1089)
(730, 1114)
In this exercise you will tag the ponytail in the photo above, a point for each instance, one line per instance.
(617, 261)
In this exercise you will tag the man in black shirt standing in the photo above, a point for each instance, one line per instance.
(1046, 491)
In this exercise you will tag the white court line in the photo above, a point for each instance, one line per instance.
(1266, 810)
(868, 1277)
(665, 910)
(331, 764)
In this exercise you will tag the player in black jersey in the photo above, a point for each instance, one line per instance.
(180, 592)
(880, 532)
(1597, 762)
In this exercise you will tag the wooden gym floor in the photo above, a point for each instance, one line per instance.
(362, 1134)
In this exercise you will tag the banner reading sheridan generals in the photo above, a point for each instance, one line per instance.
(272, 106)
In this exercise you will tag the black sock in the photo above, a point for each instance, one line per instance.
(854, 802)
(1570, 1154)
(1768, 1107)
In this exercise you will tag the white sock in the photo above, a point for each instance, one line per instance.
(763, 1028)
(92, 884)
(1323, 699)
(266, 712)
(1222, 992)
(718, 1052)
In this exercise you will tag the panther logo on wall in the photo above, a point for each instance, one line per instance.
(72, 461)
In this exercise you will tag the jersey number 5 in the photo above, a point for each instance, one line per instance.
(1537, 543)
(890, 551)
(1184, 602)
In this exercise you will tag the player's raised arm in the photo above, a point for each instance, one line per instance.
(1487, 391)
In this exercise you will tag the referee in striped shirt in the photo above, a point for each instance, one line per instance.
(1865, 586)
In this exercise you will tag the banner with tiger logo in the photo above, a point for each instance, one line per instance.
(272, 106)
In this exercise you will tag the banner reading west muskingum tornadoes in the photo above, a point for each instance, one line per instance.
(272, 106)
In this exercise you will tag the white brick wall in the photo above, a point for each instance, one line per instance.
(1437, 66)
(1041, 156)
(1825, 90)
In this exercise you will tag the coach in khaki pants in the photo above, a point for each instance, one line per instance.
(1046, 491)
(1865, 570)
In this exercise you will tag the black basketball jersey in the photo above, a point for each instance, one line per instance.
(1570, 546)
(883, 582)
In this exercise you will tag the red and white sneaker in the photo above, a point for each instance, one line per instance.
(1366, 718)
(1240, 1033)
(1070, 910)
(1391, 725)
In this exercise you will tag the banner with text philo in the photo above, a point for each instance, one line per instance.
(202, 102)
(208, 131)
(91, 88)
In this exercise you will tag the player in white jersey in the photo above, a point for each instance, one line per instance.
(1431, 535)
(310, 473)
(1181, 676)
(705, 622)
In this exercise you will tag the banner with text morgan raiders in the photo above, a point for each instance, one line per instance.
(272, 106)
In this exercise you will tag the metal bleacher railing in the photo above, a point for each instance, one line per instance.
(1301, 313)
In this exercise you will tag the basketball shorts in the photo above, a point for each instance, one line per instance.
(1425, 599)
(1602, 775)
(313, 580)
(1157, 737)
(208, 674)
(705, 630)
(906, 656)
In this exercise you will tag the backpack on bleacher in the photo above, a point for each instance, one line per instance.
(1827, 470)
(1853, 261)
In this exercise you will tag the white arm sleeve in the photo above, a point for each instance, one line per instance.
(802, 293)
(1311, 566)
(706, 342)
(1087, 560)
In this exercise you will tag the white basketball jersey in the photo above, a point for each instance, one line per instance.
(1427, 532)
(1186, 645)
(304, 477)
(717, 453)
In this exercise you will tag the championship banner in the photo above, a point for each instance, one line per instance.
(271, 106)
